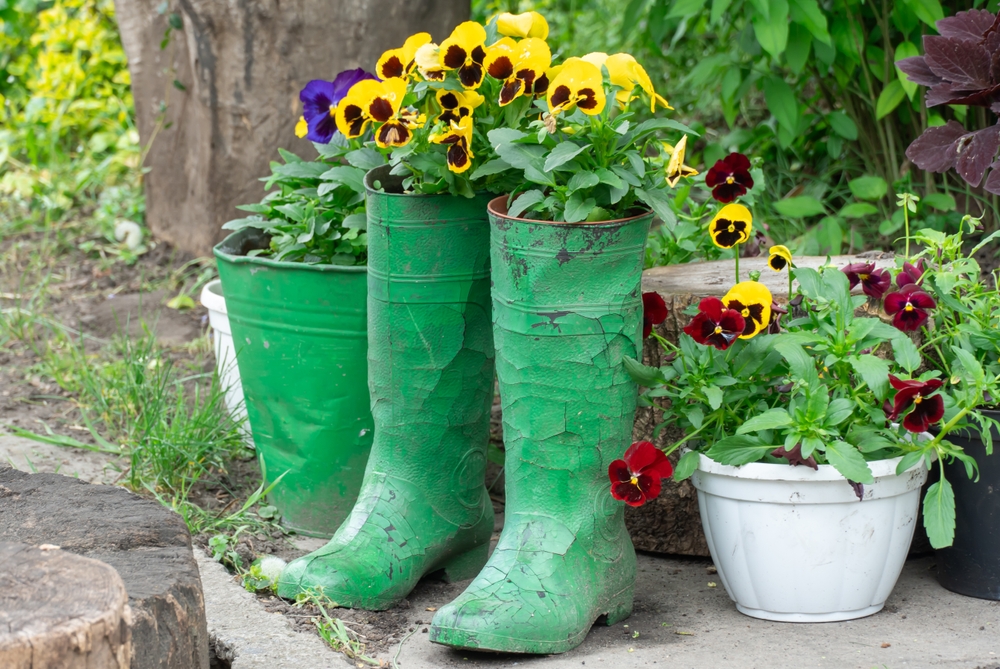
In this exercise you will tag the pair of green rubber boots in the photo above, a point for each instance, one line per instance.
(565, 310)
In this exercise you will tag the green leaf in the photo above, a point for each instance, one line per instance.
(939, 514)
(843, 125)
(562, 154)
(889, 99)
(858, 210)
(578, 208)
(799, 362)
(658, 201)
(769, 420)
(928, 11)
(356, 222)
(301, 170)
(180, 302)
(874, 372)
(906, 353)
(686, 466)
(644, 375)
(719, 8)
(799, 207)
(365, 158)
(973, 371)
(839, 410)
(772, 31)
(799, 45)
(582, 180)
(906, 50)
(738, 450)
(849, 462)
(682, 8)
(868, 188)
(525, 201)
(490, 167)
(504, 136)
(908, 461)
(808, 14)
(714, 396)
(940, 201)
(352, 177)
(781, 102)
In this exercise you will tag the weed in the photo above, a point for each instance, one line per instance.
(333, 630)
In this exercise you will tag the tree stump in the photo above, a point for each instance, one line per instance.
(147, 544)
(672, 523)
(61, 610)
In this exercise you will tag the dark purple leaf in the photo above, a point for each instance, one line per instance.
(975, 153)
(859, 488)
(933, 151)
(992, 184)
(958, 61)
(917, 71)
(995, 107)
(969, 25)
(960, 94)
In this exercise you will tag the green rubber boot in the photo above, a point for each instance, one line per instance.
(423, 505)
(566, 310)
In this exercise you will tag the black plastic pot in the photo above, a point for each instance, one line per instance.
(971, 566)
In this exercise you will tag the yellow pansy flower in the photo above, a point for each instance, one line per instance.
(731, 226)
(400, 62)
(578, 84)
(378, 102)
(456, 105)
(518, 65)
(428, 62)
(676, 169)
(528, 24)
(626, 73)
(779, 258)
(753, 300)
(458, 137)
(464, 51)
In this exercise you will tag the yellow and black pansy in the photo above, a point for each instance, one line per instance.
(753, 301)
(676, 169)
(518, 65)
(378, 102)
(399, 63)
(428, 62)
(456, 105)
(626, 73)
(578, 84)
(731, 226)
(458, 138)
(465, 51)
(528, 24)
(779, 258)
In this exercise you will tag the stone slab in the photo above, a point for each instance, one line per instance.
(146, 543)
(30, 456)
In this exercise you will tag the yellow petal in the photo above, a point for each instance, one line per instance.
(597, 58)
(676, 169)
(533, 54)
(426, 57)
(752, 293)
(494, 62)
(578, 84)
(394, 90)
(528, 24)
(413, 43)
(731, 213)
(301, 128)
(467, 36)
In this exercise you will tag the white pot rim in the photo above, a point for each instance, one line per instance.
(212, 298)
(766, 471)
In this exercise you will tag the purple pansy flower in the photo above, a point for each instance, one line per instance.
(320, 98)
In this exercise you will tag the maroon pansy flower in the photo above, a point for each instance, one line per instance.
(320, 99)
(654, 312)
(873, 281)
(928, 408)
(729, 178)
(908, 307)
(715, 325)
(910, 274)
(636, 479)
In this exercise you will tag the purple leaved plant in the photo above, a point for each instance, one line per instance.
(960, 66)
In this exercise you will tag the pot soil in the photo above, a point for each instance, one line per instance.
(794, 544)
(301, 338)
(971, 566)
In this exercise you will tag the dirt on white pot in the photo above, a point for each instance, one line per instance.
(794, 544)
(225, 354)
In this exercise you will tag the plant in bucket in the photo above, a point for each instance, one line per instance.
(567, 249)
(808, 440)
(295, 284)
(423, 507)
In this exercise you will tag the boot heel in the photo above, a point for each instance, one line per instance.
(465, 565)
(619, 609)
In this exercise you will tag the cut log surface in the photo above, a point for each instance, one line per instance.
(60, 610)
(147, 544)
(671, 523)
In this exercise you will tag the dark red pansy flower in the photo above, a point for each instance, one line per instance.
(928, 408)
(636, 479)
(874, 282)
(908, 307)
(654, 312)
(729, 178)
(777, 311)
(910, 273)
(794, 456)
(715, 325)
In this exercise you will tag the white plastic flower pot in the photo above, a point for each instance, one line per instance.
(225, 354)
(794, 544)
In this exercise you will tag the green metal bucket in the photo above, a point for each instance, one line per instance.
(301, 338)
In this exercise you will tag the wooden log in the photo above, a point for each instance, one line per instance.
(61, 610)
(671, 523)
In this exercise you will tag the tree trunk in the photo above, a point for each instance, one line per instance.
(61, 610)
(217, 101)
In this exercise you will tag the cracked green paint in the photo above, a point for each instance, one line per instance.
(566, 309)
(423, 506)
(300, 333)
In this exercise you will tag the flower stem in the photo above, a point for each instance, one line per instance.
(790, 277)
(906, 224)
(737, 250)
